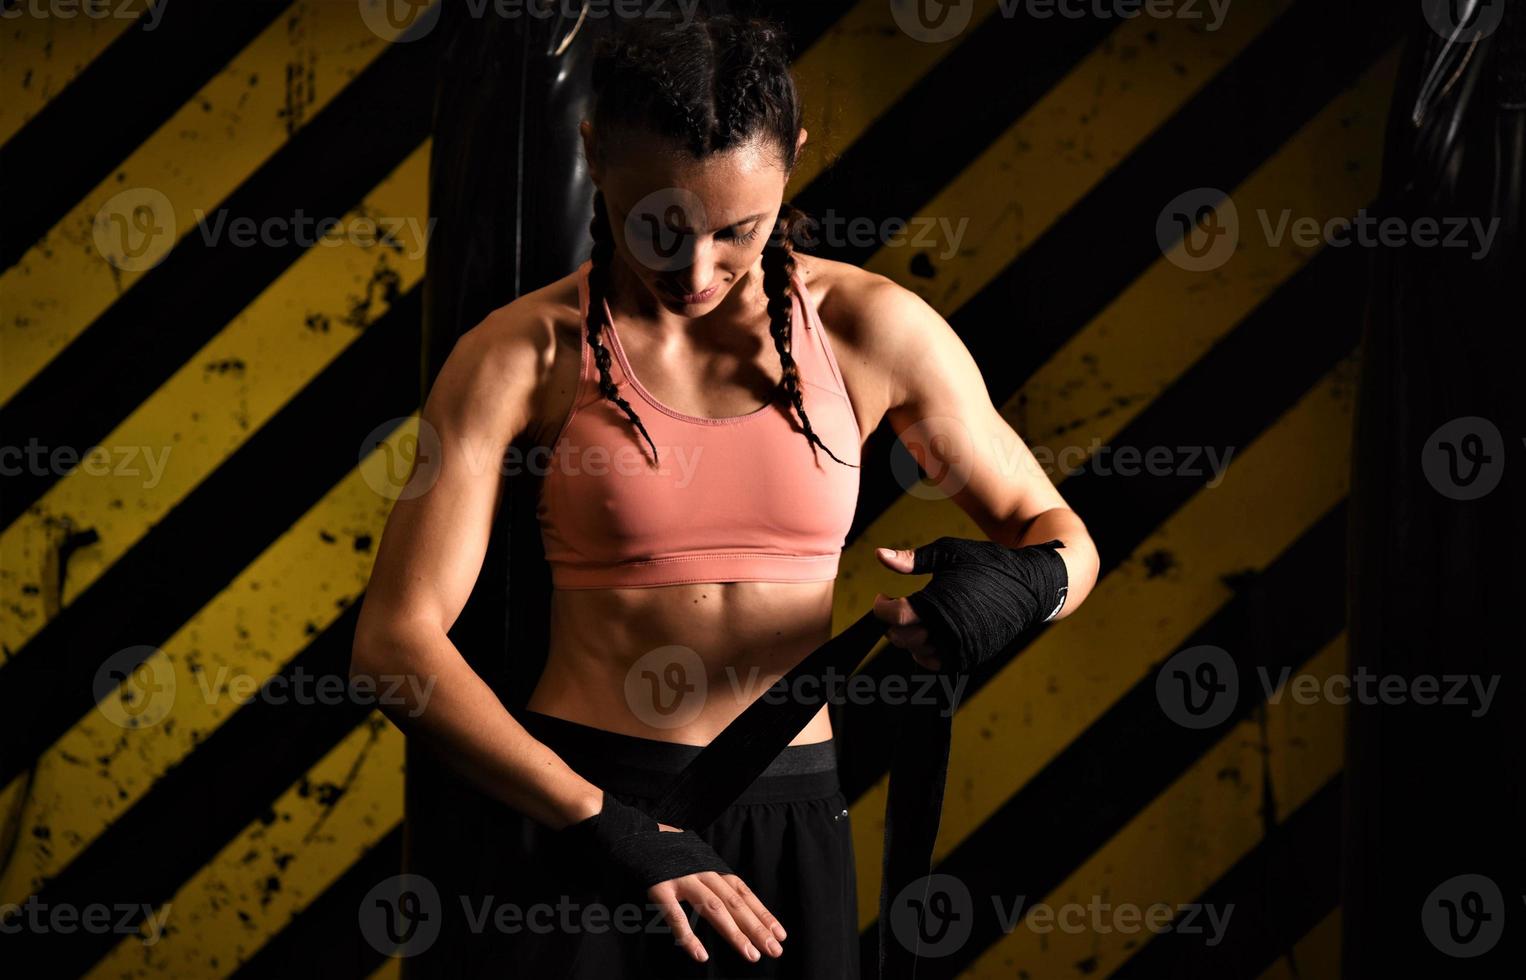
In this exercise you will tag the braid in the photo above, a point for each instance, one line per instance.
(598, 289)
(710, 84)
(778, 286)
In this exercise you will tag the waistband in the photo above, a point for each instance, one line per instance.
(630, 765)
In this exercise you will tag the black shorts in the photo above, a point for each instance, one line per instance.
(788, 837)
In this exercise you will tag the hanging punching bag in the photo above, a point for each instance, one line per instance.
(510, 195)
(1433, 850)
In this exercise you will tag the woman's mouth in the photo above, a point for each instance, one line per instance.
(691, 299)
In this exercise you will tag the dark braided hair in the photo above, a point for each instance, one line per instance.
(712, 84)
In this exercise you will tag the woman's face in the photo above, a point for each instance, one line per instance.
(689, 229)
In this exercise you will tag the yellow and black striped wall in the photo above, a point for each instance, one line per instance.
(204, 405)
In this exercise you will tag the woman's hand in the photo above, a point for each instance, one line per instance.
(728, 904)
(905, 630)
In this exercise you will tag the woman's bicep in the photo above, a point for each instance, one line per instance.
(944, 416)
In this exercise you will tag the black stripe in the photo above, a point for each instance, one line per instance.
(204, 543)
(323, 941)
(1224, 401)
(1107, 240)
(89, 128)
(1089, 792)
(1278, 893)
(205, 801)
(174, 309)
(932, 133)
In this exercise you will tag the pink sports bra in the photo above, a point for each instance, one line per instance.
(739, 499)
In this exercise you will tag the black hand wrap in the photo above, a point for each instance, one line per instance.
(643, 853)
(983, 595)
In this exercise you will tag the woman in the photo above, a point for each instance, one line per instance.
(704, 395)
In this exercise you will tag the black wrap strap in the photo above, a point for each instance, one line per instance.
(1026, 589)
(984, 595)
(639, 849)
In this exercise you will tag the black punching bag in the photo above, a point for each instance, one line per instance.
(1433, 881)
(510, 193)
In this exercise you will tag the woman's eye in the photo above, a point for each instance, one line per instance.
(741, 239)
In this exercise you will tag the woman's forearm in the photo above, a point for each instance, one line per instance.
(429, 691)
(1079, 554)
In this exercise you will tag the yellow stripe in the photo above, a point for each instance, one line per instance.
(215, 402)
(1202, 311)
(1066, 144)
(1185, 839)
(44, 54)
(1066, 680)
(1317, 956)
(294, 590)
(391, 969)
(1056, 125)
(275, 867)
(217, 139)
(857, 70)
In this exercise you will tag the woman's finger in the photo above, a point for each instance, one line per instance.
(759, 909)
(908, 637)
(714, 908)
(665, 894)
(742, 912)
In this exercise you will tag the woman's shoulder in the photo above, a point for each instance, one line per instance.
(510, 358)
(860, 307)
